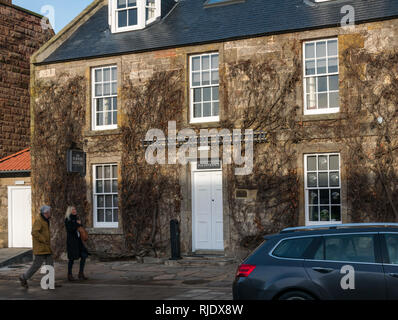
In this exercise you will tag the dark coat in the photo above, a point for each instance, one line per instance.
(74, 244)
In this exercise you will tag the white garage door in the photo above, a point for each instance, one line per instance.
(19, 217)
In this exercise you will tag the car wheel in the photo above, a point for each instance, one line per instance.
(296, 295)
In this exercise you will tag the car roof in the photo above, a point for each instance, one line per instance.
(334, 229)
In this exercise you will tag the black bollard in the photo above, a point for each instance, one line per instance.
(175, 240)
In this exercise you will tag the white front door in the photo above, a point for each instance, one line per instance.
(207, 210)
(19, 217)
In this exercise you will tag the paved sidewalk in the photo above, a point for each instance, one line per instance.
(203, 282)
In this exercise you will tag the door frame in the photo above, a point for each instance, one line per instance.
(10, 216)
(195, 169)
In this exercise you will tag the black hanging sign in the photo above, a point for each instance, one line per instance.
(76, 162)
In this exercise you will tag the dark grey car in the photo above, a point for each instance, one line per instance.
(335, 262)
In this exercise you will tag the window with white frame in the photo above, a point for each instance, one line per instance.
(104, 108)
(127, 15)
(322, 188)
(204, 88)
(321, 76)
(106, 204)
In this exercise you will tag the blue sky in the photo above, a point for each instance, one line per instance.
(64, 10)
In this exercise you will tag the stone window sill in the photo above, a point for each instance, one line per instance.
(104, 231)
(96, 133)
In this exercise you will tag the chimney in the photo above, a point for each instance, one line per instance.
(9, 2)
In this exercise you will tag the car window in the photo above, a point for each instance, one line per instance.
(293, 248)
(392, 247)
(350, 248)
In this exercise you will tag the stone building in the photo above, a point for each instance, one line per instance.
(21, 35)
(292, 69)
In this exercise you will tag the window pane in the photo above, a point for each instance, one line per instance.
(100, 215)
(114, 103)
(115, 215)
(332, 65)
(322, 100)
(310, 67)
(332, 47)
(197, 110)
(313, 197)
(107, 74)
(196, 79)
(107, 89)
(335, 193)
(311, 163)
(322, 162)
(334, 179)
(108, 215)
(99, 187)
(108, 201)
(215, 109)
(314, 213)
(392, 247)
(114, 172)
(100, 201)
(321, 49)
(197, 95)
(107, 186)
(107, 104)
(310, 50)
(324, 214)
(114, 186)
(336, 215)
(98, 90)
(214, 77)
(205, 62)
(206, 78)
(195, 63)
(214, 61)
(324, 199)
(98, 172)
(215, 93)
(311, 101)
(108, 118)
(114, 120)
(122, 18)
(350, 248)
(100, 119)
(114, 74)
(98, 75)
(294, 248)
(114, 88)
(334, 100)
(207, 94)
(132, 3)
(334, 162)
(133, 17)
(310, 84)
(115, 201)
(107, 171)
(322, 84)
(100, 104)
(207, 110)
(121, 4)
(321, 66)
(323, 179)
(312, 180)
(333, 83)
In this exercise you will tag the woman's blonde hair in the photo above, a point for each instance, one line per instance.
(69, 212)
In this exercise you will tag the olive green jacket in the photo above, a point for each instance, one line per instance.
(41, 237)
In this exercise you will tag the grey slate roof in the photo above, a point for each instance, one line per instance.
(191, 23)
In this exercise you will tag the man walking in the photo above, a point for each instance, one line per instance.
(41, 245)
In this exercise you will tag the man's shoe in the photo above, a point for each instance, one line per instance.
(70, 278)
(82, 276)
(23, 281)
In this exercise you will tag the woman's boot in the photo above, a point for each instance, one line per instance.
(70, 278)
(82, 276)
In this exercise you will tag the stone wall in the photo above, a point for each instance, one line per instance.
(20, 36)
(283, 51)
(4, 184)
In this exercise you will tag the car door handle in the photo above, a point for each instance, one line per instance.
(322, 270)
(395, 275)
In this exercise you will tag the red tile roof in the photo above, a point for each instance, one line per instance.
(19, 161)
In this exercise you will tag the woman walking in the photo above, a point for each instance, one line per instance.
(74, 244)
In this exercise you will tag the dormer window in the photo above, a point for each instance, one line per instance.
(128, 15)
